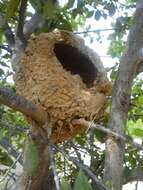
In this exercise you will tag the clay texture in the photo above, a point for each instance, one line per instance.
(64, 95)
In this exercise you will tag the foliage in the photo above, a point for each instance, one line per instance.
(81, 183)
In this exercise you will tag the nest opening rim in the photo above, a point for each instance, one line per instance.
(73, 60)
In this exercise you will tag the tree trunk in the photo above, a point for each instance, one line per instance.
(131, 62)
(37, 176)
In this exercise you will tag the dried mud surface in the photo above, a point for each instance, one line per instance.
(43, 80)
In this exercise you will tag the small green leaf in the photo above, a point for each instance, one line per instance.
(65, 185)
(137, 132)
(81, 182)
(50, 9)
(70, 4)
(90, 14)
(11, 8)
(135, 128)
(140, 100)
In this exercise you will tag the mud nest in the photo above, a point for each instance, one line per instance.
(66, 78)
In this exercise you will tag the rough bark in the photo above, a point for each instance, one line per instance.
(19, 103)
(120, 101)
(133, 175)
(32, 25)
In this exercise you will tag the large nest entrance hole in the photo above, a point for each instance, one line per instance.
(76, 62)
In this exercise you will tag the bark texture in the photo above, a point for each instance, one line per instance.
(130, 61)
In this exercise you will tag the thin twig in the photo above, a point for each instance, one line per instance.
(5, 47)
(76, 150)
(136, 185)
(10, 149)
(98, 30)
(85, 168)
(51, 156)
(12, 166)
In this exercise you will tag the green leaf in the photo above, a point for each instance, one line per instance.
(65, 24)
(65, 185)
(70, 4)
(81, 182)
(137, 132)
(49, 9)
(90, 14)
(36, 4)
(97, 15)
(140, 100)
(12, 8)
(135, 128)
(31, 157)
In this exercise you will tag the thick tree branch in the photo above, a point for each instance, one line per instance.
(24, 32)
(120, 101)
(19, 103)
(21, 19)
(31, 25)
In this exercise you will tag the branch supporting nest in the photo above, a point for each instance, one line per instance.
(89, 124)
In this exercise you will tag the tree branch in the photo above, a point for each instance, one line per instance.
(22, 10)
(120, 101)
(31, 25)
(108, 131)
(10, 149)
(51, 156)
(139, 68)
(133, 175)
(5, 47)
(19, 103)
(85, 168)
(98, 30)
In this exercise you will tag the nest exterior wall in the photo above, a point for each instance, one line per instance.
(43, 80)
